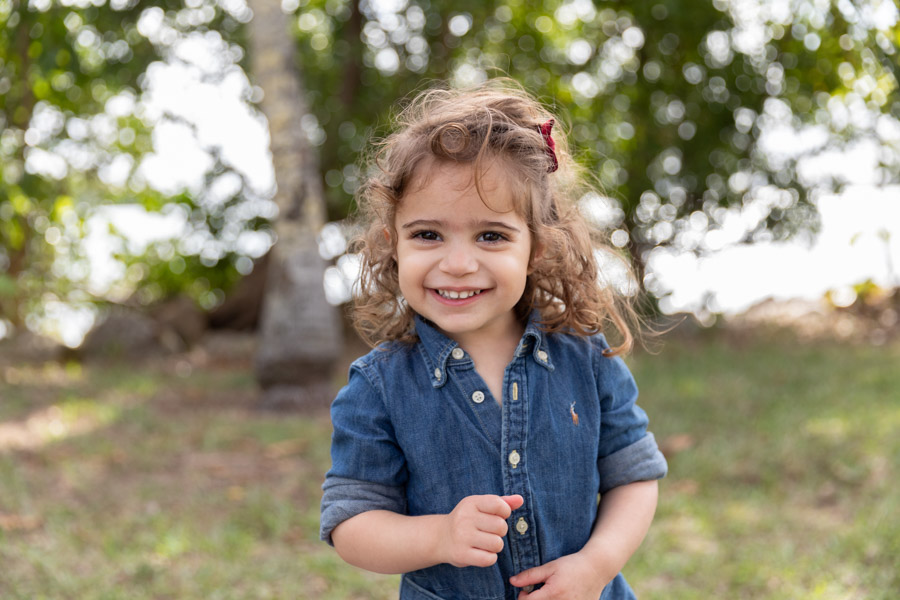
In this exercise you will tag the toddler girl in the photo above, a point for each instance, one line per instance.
(471, 444)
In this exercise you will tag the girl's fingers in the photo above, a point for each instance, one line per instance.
(492, 524)
(481, 558)
(531, 576)
(515, 501)
(493, 505)
(488, 543)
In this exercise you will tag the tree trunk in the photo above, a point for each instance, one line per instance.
(300, 333)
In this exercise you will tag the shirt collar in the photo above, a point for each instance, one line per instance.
(437, 349)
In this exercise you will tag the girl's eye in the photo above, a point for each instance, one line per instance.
(428, 236)
(491, 236)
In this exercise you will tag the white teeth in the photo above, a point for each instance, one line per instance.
(458, 295)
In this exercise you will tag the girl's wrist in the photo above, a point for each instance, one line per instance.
(606, 559)
(435, 533)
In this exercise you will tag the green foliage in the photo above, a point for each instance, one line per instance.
(53, 65)
(70, 73)
(668, 100)
(160, 273)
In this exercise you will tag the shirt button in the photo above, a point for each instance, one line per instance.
(542, 356)
(457, 353)
(437, 373)
(478, 397)
(514, 459)
(521, 526)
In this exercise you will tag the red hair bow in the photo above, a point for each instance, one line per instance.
(551, 145)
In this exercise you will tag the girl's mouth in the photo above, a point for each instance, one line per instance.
(452, 295)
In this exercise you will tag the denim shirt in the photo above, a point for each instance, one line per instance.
(416, 430)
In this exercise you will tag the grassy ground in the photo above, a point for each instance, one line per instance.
(164, 482)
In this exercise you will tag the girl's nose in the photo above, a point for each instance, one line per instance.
(458, 261)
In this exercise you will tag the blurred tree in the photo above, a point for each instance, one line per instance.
(72, 73)
(300, 332)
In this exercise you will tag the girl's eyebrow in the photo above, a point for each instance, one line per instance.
(476, 224)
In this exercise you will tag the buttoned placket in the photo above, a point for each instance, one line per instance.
(514, 453)
(511, 420)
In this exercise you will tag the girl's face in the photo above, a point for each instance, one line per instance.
(463, 265)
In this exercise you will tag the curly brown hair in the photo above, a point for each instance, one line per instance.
(495, 120)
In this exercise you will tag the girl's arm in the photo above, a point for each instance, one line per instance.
(624, 516)
(388, 542)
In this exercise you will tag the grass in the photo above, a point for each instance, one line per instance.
(118, 482)
(783, 461)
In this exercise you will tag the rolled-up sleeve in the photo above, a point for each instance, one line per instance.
(368, 469)
(627, 452)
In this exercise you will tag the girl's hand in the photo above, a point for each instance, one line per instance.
(572, 577)
(473, 532)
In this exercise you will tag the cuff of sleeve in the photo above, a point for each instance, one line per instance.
(641, 461)
(345, 498)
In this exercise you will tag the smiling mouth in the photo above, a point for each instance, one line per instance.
(451, 295)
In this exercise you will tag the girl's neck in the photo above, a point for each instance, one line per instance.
(500, 342)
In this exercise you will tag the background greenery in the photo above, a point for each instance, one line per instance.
(118, 482)
(163, 480)
(668, 103)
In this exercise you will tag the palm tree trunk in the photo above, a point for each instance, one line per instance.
(301, 335)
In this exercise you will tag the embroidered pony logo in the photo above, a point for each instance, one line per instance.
(573, 413)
